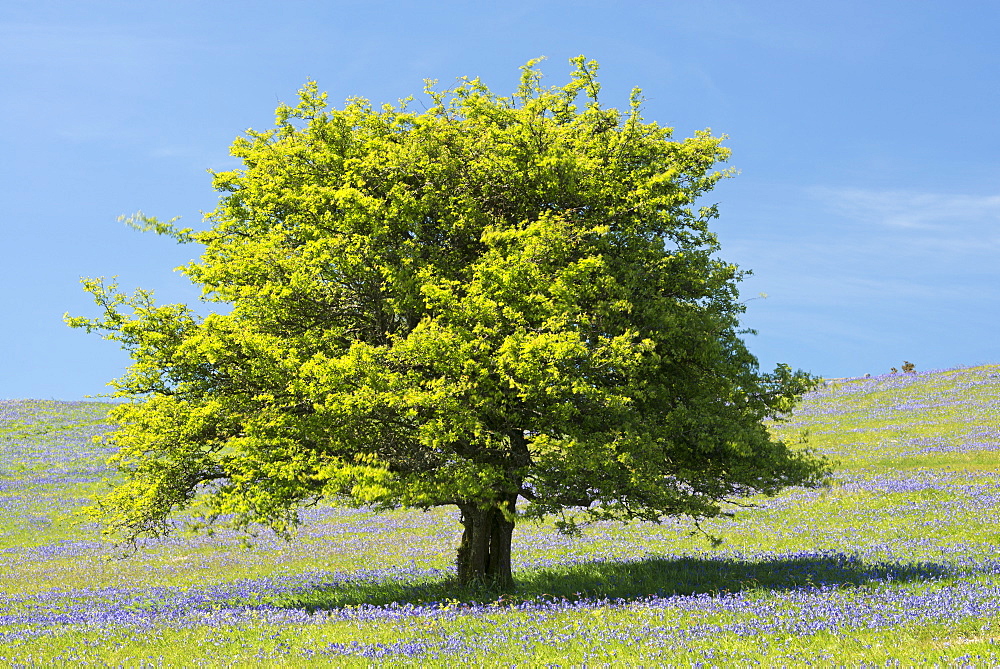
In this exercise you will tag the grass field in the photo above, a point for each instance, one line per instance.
(895, 562)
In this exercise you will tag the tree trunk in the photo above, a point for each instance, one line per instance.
(484, 554)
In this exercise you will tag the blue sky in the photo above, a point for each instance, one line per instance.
(866, 134)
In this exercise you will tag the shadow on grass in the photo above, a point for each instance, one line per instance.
(629, 580)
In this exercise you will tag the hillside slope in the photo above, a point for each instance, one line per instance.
(895, 560)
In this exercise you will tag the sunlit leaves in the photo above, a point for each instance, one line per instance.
(491, 297)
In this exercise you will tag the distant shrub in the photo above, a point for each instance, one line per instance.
(908, 367)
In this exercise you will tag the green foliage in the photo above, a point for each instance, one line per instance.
(498, 296)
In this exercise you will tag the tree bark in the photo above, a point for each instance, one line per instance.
(484, 553)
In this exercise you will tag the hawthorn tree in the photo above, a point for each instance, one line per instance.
(498, 298)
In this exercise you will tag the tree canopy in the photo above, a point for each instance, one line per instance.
(507, 304)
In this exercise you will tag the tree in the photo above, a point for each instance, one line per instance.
(496, 298)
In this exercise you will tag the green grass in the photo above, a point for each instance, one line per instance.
(894, 561)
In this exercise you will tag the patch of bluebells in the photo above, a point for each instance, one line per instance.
(47, 447)
(955, 409)
(147, 606)
(49, 413)
(887, 396)
(868, 585)
(13, 410)
(659, 620)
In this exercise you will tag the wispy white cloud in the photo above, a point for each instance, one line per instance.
(911, 209)
(876, 252)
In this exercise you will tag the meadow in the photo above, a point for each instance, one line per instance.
(894, 562)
